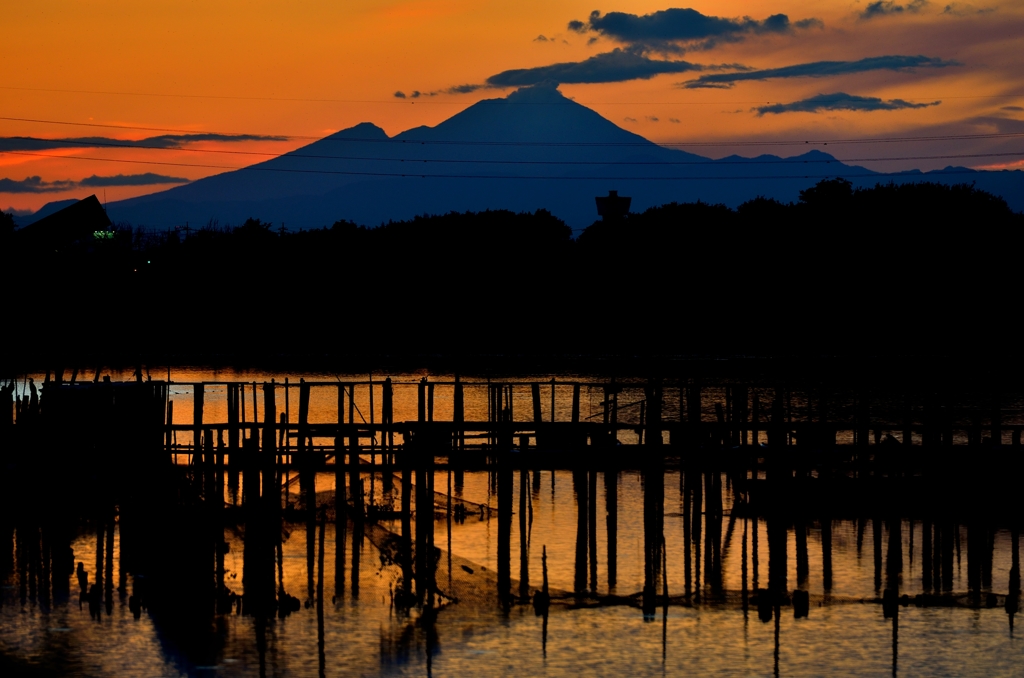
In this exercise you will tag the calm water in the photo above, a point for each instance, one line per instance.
(355, 630)
(364, 635)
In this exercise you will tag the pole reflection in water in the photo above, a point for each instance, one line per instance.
(249, 548)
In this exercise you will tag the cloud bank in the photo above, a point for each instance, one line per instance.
(820, 69)
(882, 8)
(615, 66)
(678, 29)
(840, 101)
(37, 185)
(161, 141)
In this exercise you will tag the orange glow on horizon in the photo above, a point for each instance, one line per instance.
(262, 68)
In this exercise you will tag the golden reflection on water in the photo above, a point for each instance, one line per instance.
(363, 635)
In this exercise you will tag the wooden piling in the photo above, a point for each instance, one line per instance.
(271, 480)
(576, 403)
(535, 393)
(197, 416)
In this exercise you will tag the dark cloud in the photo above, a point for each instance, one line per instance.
(889, 7)
(400, 94)
(676, 29)
(652, 118)
(162, 141)
(462, 89)
(540, 38)
(147, 179)
(37, 185)
(1013, 108)
(615, 66)
(675, 120)
(840, 101)
(34, 185)
(630, 119)
(820, 69)
(965, 9)
(416, 94)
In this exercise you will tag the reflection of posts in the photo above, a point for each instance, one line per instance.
(580, 484)
(524, 551)
(826, 553)
(1012, 604)
(504, 528)
(654, 517)
(778, 557)
(426, 562)
(611, 498)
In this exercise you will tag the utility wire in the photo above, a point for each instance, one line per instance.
(426, 100)
(746, 161)
(564, 144)
(466, 176)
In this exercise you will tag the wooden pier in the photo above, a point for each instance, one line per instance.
(786, 457)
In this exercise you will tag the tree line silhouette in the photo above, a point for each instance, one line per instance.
(914, 269)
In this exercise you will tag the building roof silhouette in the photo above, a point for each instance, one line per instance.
(74, 223)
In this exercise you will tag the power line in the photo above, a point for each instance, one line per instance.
(425, 100)
(564, 144)
(293, 154)
(465, 176)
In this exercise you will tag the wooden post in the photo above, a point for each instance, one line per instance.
(387, 419)
(197, 417)
(421, 400)
(355, 482)
(535, 392)
(755, 415)
(286, 448)
(339, 468)
(306, 466)
(576, 403)
(740, 399)
(997, 420)
(459, 416)
(552, 400)
(170, 425)
(233, 400)
(271, 482)
(209, 468)
(373, 435)
(653, 414)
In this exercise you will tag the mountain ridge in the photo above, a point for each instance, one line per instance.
(532, 149)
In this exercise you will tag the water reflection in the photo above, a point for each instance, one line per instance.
(434, 566)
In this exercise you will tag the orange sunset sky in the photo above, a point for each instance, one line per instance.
(304, 69)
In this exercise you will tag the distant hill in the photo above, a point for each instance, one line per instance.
(533, 149)
(44, 211)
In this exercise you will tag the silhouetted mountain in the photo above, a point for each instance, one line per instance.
(534, 149)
